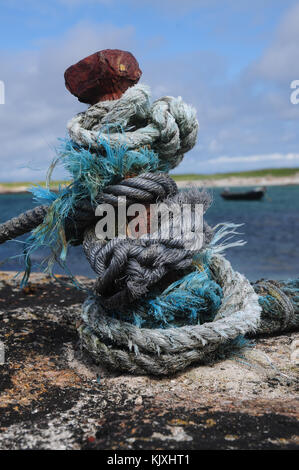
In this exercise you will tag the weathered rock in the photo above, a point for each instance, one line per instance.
(105, 75)
(52, 396)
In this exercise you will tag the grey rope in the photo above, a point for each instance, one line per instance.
(24, 223)
(146, 188)
(128, 268)
(282, 313)
(29, 220)
(123, 346)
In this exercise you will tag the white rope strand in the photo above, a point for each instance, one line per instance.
(168, 126)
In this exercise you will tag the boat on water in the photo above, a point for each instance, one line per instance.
(252, 195)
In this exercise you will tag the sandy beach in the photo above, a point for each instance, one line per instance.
(14, 190)
(234, 181)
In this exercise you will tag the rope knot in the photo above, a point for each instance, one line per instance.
(168, 126)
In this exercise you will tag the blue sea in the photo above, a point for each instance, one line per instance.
(270, 228)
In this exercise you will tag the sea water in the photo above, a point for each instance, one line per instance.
(270, 228)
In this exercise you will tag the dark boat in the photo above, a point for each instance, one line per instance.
(252, 195)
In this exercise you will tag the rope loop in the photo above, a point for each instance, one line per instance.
(124, 346)
(168, 126)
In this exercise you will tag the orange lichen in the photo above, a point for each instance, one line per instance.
(32, 378)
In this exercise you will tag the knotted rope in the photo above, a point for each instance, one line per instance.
(160, 278)
(146, 188)
(128, 268)
(168, 126)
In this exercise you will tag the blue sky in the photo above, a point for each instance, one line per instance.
(233, 60)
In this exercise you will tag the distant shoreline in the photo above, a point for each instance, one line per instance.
(15, 190)
(234, 181)
(267, 177)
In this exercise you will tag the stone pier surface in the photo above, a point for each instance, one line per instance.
(52, 396)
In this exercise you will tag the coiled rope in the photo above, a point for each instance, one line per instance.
(125, 347)
(168, 126)
(129, 270)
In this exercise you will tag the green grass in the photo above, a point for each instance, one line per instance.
(275, 172)
(54, 184)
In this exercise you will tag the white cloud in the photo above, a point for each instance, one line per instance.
(255, 158)
(245, 120)
(37, 104)
(280, 60)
